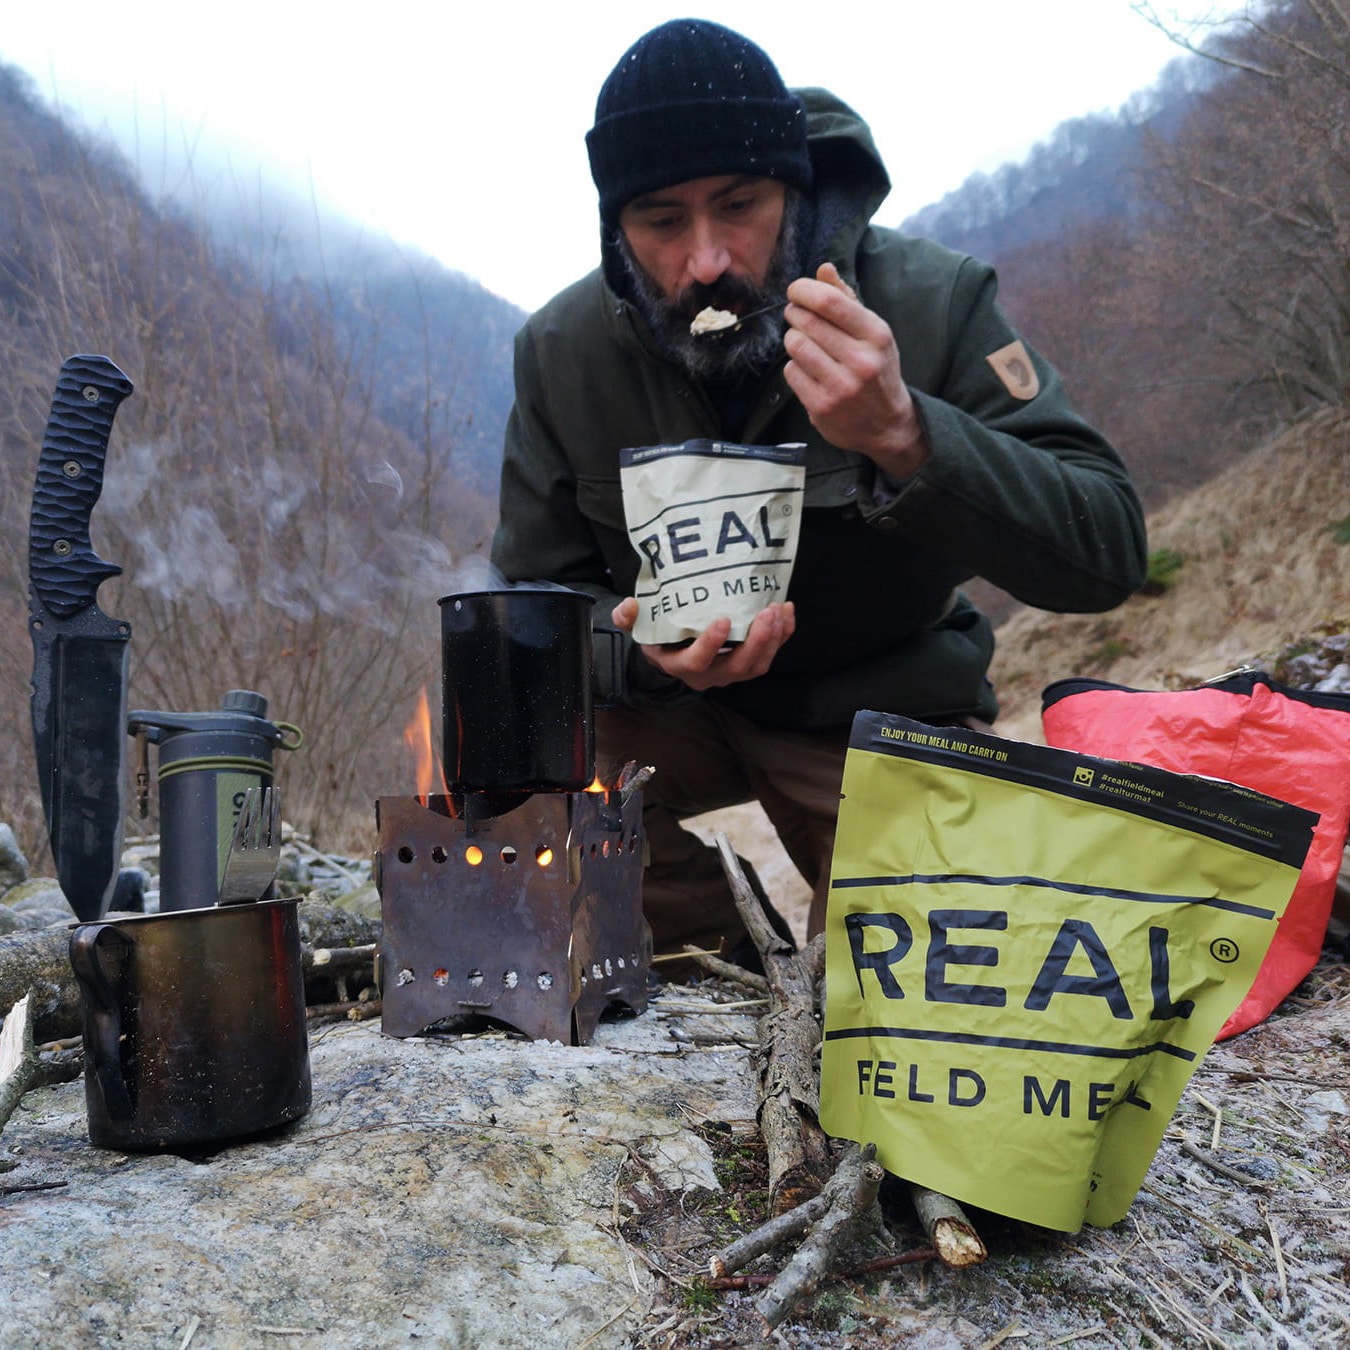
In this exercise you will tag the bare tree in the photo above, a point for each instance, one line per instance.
(1259, 193)
(276, 533)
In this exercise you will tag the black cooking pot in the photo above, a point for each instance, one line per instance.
(516, 690)
(194, 1025)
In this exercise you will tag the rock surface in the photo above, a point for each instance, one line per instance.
(461, 1191)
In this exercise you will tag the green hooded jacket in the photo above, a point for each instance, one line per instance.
(1018, 489)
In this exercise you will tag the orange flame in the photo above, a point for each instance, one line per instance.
(597, 785)
(417, 737)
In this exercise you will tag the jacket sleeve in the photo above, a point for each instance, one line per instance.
(541, 532)
(1021, 491)
(543, 535)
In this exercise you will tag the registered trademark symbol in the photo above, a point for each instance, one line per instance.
(1225, 950)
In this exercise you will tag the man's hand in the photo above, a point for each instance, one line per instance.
(845, 369)
(707, 662)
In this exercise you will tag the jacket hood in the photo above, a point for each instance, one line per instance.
(850, 184)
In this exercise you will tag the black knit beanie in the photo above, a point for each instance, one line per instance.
(692, 99)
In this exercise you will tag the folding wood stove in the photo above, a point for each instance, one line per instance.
(526, 911)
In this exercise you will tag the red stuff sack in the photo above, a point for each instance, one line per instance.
(1288, 743)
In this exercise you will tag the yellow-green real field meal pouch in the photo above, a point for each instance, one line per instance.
(1028, 954)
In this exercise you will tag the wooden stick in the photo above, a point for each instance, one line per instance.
(35, 963)
(769, 1234)
(726, 970)
(1279, 1259)
(873, 1267)
(799, 1150)
(664, 958)
(315, 855)
(851, 1196)
(1202, 1156)
(800, 1158)
(635, 783)
(952, 1234)
(354, 1010)
(740, 1281)
(880, 1263)
(17, 1187)
(18, 1058)
(332, 960)
(768, 941)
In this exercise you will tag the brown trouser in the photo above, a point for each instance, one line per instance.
(706, 758)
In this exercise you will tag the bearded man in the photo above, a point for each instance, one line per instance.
(940, 447)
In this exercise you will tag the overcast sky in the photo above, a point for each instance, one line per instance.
(459, 128)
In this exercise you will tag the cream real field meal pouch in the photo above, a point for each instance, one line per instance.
(715, 527)
(1028, 954)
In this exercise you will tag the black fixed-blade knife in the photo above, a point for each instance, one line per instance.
(79, 653)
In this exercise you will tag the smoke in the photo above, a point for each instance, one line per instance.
(382, 491)
(384, 474)
(278, 540)
(278, 497)
(130, 474)
(472, 574)
(191, 552)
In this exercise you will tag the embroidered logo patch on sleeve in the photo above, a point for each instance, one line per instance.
(1012, 364)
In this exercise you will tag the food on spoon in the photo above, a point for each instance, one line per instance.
(712, 320)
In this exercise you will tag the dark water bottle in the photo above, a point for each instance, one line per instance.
(207, 762)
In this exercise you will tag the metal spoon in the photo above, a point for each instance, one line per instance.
(733, 321)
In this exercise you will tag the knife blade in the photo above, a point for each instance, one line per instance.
(79, 653)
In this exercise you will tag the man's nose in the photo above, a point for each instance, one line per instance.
(709, 256)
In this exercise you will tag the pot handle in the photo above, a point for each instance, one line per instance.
(105, 1017)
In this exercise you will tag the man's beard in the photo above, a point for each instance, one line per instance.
(754, 345)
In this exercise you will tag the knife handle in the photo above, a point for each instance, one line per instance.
(63, 568)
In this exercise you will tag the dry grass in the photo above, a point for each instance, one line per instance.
(1261, 568)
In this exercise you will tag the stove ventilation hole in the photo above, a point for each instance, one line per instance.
(543, 855)
(475, 978)
(438, 854)
(405, 976)
(544, 981)
(442, 977)
(510, 979)
(508, 854)
(405, 854)
(473, 855)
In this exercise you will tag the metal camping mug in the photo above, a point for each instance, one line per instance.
(517, 689)
(194, 1025)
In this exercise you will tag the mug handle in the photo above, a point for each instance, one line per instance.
(105, 1017)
